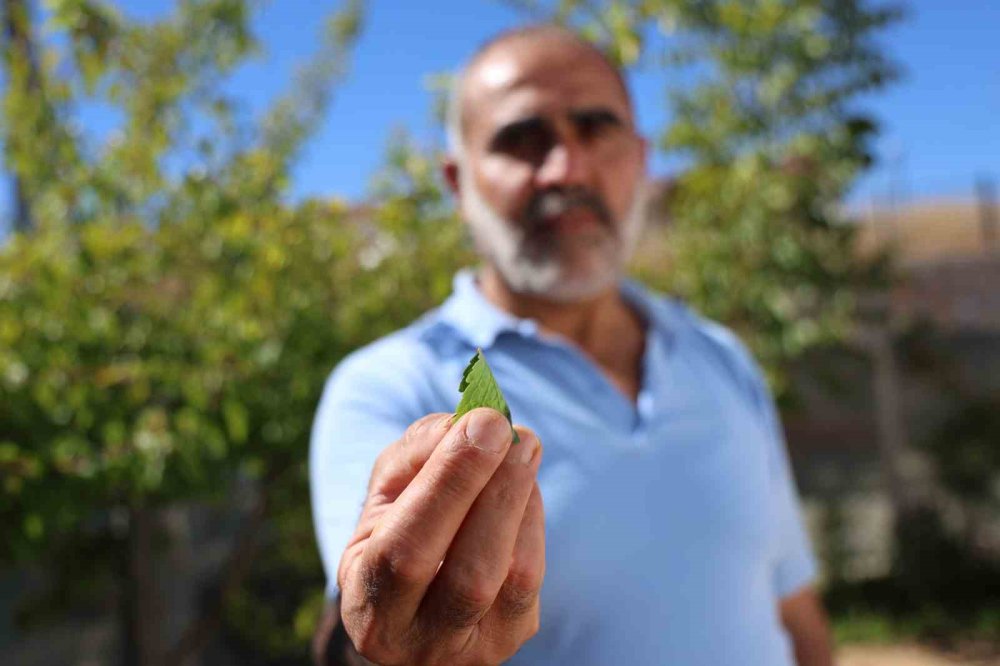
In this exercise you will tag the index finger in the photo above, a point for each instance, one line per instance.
(410, 540)
(394, 468)
(399, 462)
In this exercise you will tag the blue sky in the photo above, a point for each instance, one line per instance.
(941, 121)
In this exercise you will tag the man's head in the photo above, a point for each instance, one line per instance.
(546, 163)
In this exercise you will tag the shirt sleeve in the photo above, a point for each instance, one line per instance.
(366, 405)
(794, 564)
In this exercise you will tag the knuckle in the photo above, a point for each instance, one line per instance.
(374, 644)
(502, 638)
(518, 596)
(361, 626)
(525, 577)
(375, 636)
(466, 602)
(393, 565)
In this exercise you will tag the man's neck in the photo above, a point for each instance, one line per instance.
(578, 321)
(605, 327)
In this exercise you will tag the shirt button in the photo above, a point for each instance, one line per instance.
(527, 327)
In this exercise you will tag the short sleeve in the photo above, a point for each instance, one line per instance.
(794, 563)
(366, 405)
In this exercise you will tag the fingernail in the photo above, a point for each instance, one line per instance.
(525, 451)
(487, 432)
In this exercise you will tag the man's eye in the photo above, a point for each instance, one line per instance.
(592, 125)
(526, 142)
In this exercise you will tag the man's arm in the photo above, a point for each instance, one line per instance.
(805, 620)
(447, 560)
(800, 607)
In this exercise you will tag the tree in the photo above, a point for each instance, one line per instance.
(167, 324)
(21, 63)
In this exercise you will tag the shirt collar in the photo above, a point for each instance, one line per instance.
(480, 322)
(475, 318)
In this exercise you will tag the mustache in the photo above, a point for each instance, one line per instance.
(557, 201)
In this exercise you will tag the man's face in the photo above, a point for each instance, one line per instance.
(552, 168)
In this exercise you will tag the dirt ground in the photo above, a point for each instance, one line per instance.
(902, 655)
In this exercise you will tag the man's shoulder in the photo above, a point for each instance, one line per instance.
(707, 337)
(405, 357)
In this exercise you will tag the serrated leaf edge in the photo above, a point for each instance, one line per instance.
(495, 388)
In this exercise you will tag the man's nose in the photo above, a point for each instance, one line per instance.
(566, 164)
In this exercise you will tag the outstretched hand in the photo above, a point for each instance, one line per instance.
(448, 557)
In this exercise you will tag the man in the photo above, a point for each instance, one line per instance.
(670, 532)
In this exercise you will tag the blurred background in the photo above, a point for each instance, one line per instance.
(207, 203)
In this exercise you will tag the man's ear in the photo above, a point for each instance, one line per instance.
(449, 169)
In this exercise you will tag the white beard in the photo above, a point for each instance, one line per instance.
(543, 269)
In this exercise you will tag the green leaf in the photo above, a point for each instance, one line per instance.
(479, 388)
(237, 420)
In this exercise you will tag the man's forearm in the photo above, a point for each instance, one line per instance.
(807, 625)
(811, 650)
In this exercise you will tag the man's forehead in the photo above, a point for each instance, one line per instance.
(496, 74)
(512, 78)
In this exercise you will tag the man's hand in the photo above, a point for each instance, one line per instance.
(448, 558)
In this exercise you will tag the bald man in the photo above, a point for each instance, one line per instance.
(662, 525)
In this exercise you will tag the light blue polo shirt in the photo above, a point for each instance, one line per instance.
(672, 525)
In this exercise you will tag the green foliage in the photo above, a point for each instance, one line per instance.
(961, 433)
(862, 627)
(965, 452)
(145, 366)
(959, 430)
(160, 334)
(166, 327)
(415, 240)
(271, 617)
(479, 388)
(165, 332)
(771, 141)
(177, 129)
(883, 611)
